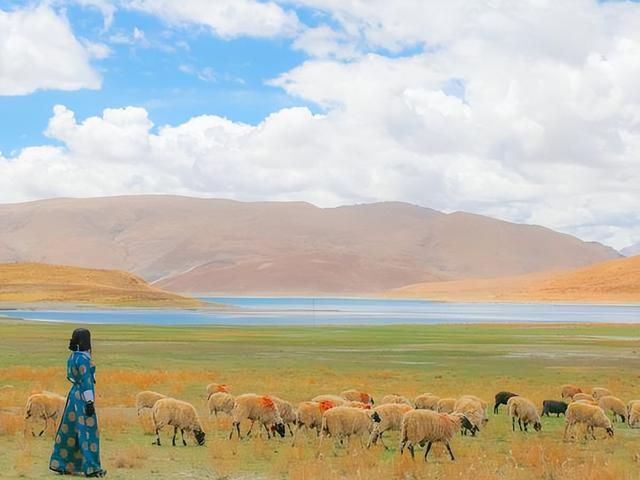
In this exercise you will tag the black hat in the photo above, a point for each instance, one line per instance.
(80, 340)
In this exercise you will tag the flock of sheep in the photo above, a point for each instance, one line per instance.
(425, 420)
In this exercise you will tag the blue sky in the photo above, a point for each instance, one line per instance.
(487, 107)
(149, 74)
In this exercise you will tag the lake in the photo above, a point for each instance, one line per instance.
(341, 311)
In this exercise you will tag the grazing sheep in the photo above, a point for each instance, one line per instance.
(355, 404)
(553, 406)
(147, 399)
(257, 408)
(472, 408)
(287, 412)
(599, 392)
(393, 398)
(633, 414)
(427, 401)
(590, 415)
(180, 415)
(525, 411)
(334, 399)
(215, 388)
(612, 404)
(501, 399)
(220, 402)
(309, 416)
(427, 426)
(357, 396)
(390, 415)
(341, 422)
(568, 391)
(630, 406)
(582, 396)
(446, 405)
(44, 406)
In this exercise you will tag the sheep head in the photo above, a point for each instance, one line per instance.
(199, 434)
(610, 431)
(279, 428)
(537, 426)
(375, 417)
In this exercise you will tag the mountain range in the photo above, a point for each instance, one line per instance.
(200, 245)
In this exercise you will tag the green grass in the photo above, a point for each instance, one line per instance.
(300, 362)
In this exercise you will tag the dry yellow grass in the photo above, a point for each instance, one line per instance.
(615, 281)
(38, 282)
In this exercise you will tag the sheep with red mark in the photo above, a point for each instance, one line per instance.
(256, 408)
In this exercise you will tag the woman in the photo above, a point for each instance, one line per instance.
(77, 446)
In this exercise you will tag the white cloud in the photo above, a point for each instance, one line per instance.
(227, 18)
(39, 51)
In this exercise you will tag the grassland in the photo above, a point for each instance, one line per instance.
(297, 363)
(37, 283)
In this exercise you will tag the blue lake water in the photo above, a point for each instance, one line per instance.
(341, 311)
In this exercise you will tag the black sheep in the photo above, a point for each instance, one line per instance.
(553, 406)
(501, 399)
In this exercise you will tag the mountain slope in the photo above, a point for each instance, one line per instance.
(37, 282)
(207, 245)
(614, 281)
(631, 250)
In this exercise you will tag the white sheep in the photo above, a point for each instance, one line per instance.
(257, 408)
(44, 406)
(357, 396)
(599, 392)
(336, 400)
(612, 404)
(180, 415)
(393, 398)
(582, 396)
(345, 422)
(216, 388)
(220, 402)
(390, 419)
(525, 411)
(633, 414)
(568, 391)
(473, 409)
(590, 415)
(147, 399)
(427, 426)
(287, 412)
(427, 401)
(446, 405)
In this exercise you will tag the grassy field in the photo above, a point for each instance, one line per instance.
(298, 363)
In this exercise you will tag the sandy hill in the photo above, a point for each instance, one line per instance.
(614, 281)
(208, 245)
(22, 283)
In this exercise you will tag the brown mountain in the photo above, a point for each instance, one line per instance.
(614, 281)
(26, 283)
(207, 245)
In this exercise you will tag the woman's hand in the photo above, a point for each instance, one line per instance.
(89, 409)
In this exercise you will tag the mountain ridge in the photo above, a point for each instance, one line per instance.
(218, 245)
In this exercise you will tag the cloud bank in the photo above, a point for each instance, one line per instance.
(527, 111)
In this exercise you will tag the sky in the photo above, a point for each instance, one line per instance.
(526, 111)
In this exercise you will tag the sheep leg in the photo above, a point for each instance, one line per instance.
(525, 426)
(250, 428)
(175, 433)
(403, 443)
(290, 429)
(495, 408)
(566, 430)
(382, 442)
(412, 451)
(513, 423)
(520, 424)
(182, 433)
(157, 442)
(235, 425)
(450, 452)
(426, 452)
(45, 427)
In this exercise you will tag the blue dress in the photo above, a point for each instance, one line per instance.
(77, 444)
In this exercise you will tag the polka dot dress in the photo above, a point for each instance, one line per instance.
(77, 444)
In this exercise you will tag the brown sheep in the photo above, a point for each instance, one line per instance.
(390, 415)
(568, 391)
(525, 411)
(341, 422)
(220, 402)
(180, 415)
(393, 398)
(357, 396)
(427, 426)
(612, 404)
(599, 392)
(446, 405)
(44, 406)
(427, 401)
(590, 415)
(257, 408)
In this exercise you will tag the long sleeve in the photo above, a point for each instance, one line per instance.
(85, 378)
